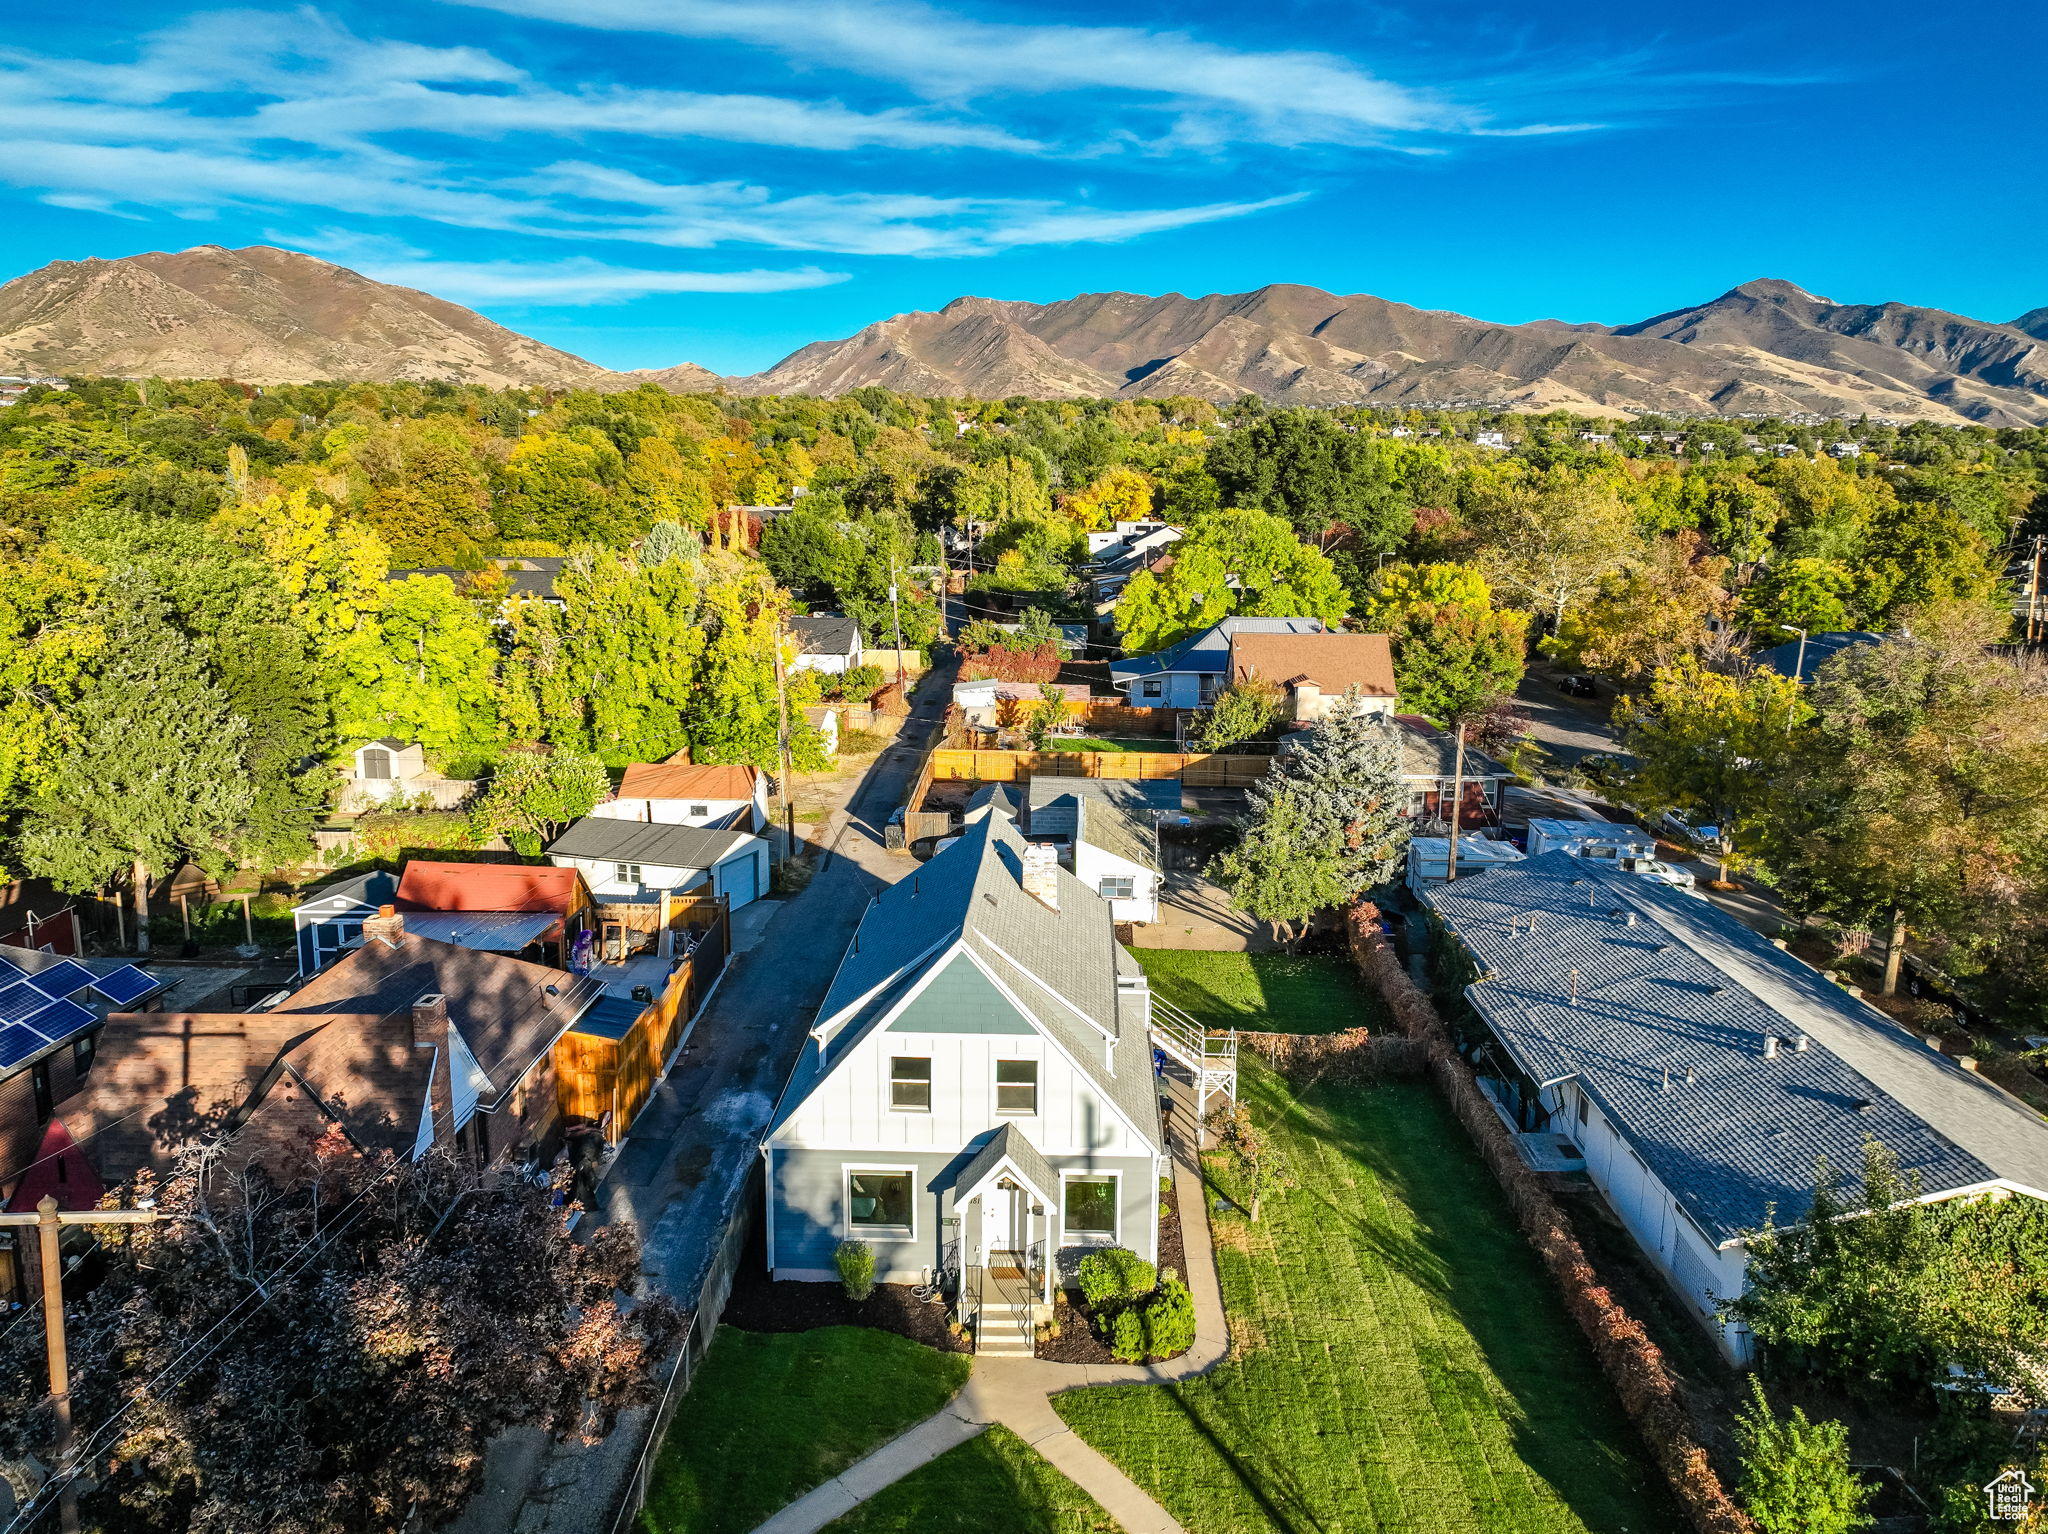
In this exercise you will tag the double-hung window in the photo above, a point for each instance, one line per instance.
(1016, 1086)
(625, 873)
(910, 1084)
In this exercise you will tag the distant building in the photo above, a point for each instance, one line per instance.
(1820, 649)
(1846, 449)
(1495, 439)
(825, 642)
(1190, 674)
(1318, 672)
(392, 771)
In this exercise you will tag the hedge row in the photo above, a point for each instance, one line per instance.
(1354, 1054)
(1635, 1365)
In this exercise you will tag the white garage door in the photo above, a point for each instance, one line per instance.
(739, 880)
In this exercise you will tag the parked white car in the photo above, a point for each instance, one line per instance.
(1657, 871)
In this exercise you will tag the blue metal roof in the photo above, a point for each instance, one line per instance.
(1820, 649)
(1663, 1022)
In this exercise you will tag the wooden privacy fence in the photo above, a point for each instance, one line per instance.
(597, 1074)
(1195, 769)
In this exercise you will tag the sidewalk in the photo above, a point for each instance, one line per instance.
(1017, 1392)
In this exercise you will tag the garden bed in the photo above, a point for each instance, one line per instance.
(1078, 1341)
(766, 1305)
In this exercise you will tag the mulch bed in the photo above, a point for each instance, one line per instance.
(759, 1304)
(1077, 1342)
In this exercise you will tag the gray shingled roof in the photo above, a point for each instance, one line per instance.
(1056, 962)
(638, 841)
(1012, 1142)
(1209, 651)
(1690, 988)
(827, 634)
(1119, 815)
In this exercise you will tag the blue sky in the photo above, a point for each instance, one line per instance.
(647, 182)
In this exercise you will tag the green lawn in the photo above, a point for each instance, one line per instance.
(1405, 1364)
(1309, 993)
(770, 1416)
(993, 1484)
(1111, 743)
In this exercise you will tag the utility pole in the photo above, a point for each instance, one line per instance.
(782, 743)
(45, 1226)
(896, 619)
(140, 874)
(2034, 590)
(1798, 669)
(1457, 805)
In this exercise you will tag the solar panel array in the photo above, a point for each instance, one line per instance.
(36, 1009)
(126, 985)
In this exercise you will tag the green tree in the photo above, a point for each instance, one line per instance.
(533, 796)
(1244, 710)
(733, 713)
(1810, 594)
(1455, 654)
(1302, 466)
(149, 770)
(1919, 801)
(1232, 562)
(1714, 746)
(429, 678)
(1795, 1473)
(50, 638)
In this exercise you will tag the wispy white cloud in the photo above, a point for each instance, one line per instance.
(700, 215)
(1274, 96)
(579, 281)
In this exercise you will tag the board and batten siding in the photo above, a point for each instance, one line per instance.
(1700, 1271)
(963, 1025)
(808, 1216)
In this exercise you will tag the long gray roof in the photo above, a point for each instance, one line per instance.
(1689, 988)
(1055, 962)
(638, 841)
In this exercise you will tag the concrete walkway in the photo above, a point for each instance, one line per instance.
(1018, 1392)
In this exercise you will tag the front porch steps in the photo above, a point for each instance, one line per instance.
(1005, 1329)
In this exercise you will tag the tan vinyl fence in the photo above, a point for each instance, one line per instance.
(1195, 769)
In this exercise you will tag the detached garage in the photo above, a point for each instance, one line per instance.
(630, 859)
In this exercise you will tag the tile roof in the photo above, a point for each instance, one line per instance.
(654, 843)
(1209, 651)
(688, 780)
(1333, 662)
(1058, 963)
(427, 886)
(1689, 988)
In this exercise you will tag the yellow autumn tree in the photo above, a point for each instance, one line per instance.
(1118, 495)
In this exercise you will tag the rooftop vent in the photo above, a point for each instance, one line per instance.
(1690, 1078)
(1770, 1046)
(1864, 1105)
(1800, 1042)
(1631, 918)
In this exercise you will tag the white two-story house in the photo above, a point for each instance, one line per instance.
(977, 1094)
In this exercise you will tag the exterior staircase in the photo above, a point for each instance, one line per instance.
(1210, 1059)
(1004, 1327)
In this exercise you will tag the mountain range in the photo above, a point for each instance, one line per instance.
(264, 315)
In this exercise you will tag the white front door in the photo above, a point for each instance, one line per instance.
(1005, 1220)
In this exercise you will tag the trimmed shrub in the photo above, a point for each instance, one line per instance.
(1127, 1337)
(1170, 1320)
(1795, 1473)
(1115, 1275)
(856, 1262)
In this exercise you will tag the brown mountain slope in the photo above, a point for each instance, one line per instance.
(1765, 347)
(259, 315)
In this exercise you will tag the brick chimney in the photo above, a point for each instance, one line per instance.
(430, 1018)
(387, 924)
(1041, 875)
